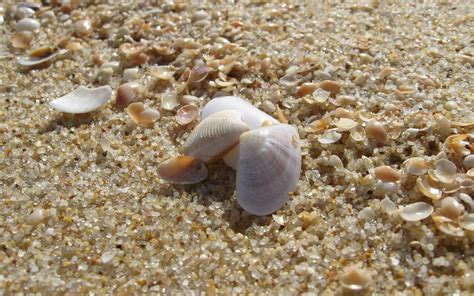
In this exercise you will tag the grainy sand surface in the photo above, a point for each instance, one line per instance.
(83, 211)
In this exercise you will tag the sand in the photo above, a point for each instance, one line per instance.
(83, 210)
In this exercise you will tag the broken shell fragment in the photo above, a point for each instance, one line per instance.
(416, 211)
(269, 168)
(182, 170)
(215, 135)
(28, 24)
(169, 100)
(333, 87)
(329, 137)
(416, 166)
(127, 93)
(355, 279)
(376, 132)
(149, 116)
(163, 72)
(446, 225)
(426, 187)
(83, 100)
(22, 39)
(187, 114)
(134, 110)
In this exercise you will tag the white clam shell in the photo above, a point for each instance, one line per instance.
(252, 116)
(83, 100)
(416, 211)
(269, 168)
(215, 135)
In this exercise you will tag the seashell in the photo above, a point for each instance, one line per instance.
(318, 125)
(358, 133)
(83, 28)
(376, 132)
(140, 115)
(36, 217)
(457, 144)
(416, 211)
(129, 74)
(345, 124)
(83, 100)
(416, 166)
(281, 117)
(321, 95)
(252, 116)
(329, 137)
(269, 168)
(333, 87)
(388, 206)
(467, 199)
(447, 225)
(427, 189)
(231, 158)
(215, 135)
(40, 56)
(355, 279)
(182, 170)
(127, 93)
(343, 113)
(28, 24)
(22, 39)
(466, 221)
(199, 73)
(187, 114)
(451, 208)
(386, 174)
(443, 124)
(445, 171)
(163, 72)
(305, 89)
(169, 100)
(468, 161)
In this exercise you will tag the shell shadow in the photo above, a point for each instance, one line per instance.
(68, 121)
(219, 187)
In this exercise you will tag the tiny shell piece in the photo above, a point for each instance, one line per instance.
(321, 95)
(355, 279)
(36, 217)
(426, 188)
(187, 114)
(22, 39)
(416, 211)
(388, 205)
(386, 174)
(149, 116)
(127, 93)
(182, 170)
(83, 100)
(329, 137)
(305, 89)
(416, 166)
(376, 131)
(451, 208)
(134, 110)
(358, 133)
(468, 161)
(129, 74)
(467, 221)
(27, 24)
(345, 124)
(163, 72)
(333, 87)
(169, 100)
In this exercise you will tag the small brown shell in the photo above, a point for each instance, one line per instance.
(182, 170)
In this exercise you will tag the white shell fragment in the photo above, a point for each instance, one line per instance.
(35, 61)
(83, 100)
(252, 116)
(329, 137)
(467, 221)
(416, 211)
(215, 135)
(269, 168)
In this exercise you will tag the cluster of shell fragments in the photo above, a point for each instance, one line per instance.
(264, 152)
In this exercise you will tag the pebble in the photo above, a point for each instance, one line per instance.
(450, 105)
(24, 12)
(129, 74)
(333, 87)
(108, 256)
(113, 65)
(468, 161)
(376, 132)
(27, 24)
(36, 217)
(268, 106)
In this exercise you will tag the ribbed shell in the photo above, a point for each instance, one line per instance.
(215, 135)
(252, 116)
(269, 168)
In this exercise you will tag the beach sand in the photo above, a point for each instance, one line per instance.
(83, 210)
